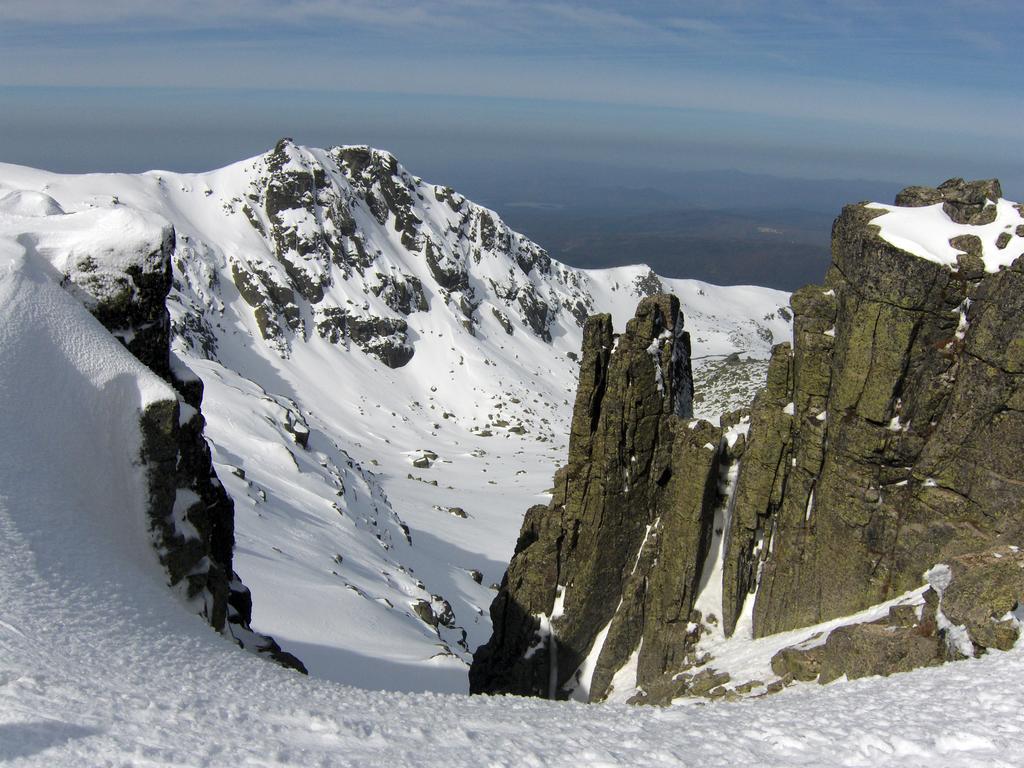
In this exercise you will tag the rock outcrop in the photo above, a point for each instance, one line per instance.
(612, 566)
(191, 515)
(326, 219)
(883, 442)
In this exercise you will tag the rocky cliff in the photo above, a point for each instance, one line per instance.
(324, 217)
(124, 282)
(883, 442)
(901, 410)
(614, 562)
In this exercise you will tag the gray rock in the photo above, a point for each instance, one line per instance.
(864, 650)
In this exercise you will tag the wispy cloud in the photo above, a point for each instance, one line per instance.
(986, 26)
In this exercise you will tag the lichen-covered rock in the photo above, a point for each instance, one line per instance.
(984, 590)
(613, 564)
(864, 650)
(877, 448)
(760, 487)
(972, 606)
(798, 663)
(965, 202)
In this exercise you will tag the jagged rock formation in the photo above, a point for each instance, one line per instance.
(324, 216)
(627, 530)
(883, 442)
(310, 429)
(191, 516)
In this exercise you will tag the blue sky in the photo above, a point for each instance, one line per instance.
(902, 91)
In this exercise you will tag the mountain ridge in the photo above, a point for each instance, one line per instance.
(386, 496)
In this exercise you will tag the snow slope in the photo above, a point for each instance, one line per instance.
(355, 562)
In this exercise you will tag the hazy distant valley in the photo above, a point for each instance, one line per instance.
(724, 227)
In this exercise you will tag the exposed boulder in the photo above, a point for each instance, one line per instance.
(972, 606)
(403, 293)
(864, 650)
(983, 592)
(503, 321)
(798, 663)
(386, 338)
(536, 312)
(965, 202)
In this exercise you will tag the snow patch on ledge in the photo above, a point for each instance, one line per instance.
(926, 231)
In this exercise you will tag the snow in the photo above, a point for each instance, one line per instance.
(926, 231)
(28, 203)
(741, 428)
(956, 635)
(102, 664)
(745, 658)
(623, 683)
(579, 684)
(709, 592)
(962, 323)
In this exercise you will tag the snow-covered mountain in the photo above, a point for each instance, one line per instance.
(100, 664)
(388, 375)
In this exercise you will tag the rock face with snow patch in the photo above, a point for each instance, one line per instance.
(884, 441)
(972, 606)
(191, 516)
(612, 565)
